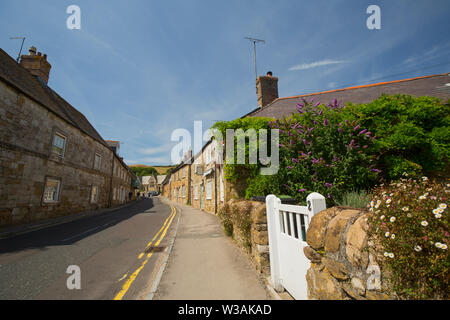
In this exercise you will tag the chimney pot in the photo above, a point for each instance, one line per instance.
(32, 51)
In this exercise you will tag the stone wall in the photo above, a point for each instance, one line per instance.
(345, 262)
(26, 161)
(256, 242)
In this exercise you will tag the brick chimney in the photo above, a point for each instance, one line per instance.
(36, 64)
(267, 89)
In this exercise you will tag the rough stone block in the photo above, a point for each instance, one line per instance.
(322, 286)
(260, 237)
(356, 241)
(337, 269)
(259, 215)
(312, 255)
(336, 228)
(316, 231)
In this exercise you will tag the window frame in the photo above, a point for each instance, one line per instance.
(208, 190)
(101, 160)
(64, 137)
(59, 187)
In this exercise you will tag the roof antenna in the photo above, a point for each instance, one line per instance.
(254, 48)
(20, 52)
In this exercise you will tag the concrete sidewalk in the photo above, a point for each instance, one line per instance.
(205, 264)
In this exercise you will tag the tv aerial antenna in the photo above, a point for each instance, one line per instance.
(21, 47)
(255, 41)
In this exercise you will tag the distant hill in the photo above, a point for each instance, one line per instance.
(159, 169)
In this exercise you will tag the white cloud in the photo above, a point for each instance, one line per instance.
(156, 150)
(311, 65)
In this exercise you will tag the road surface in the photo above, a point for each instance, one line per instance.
(118, 254)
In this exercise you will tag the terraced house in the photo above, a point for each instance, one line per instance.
(52, 160)
(180, 181)
(207, 184)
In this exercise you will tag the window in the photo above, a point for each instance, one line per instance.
(183, 191)
(115, 194)
(209, 190)
(51, 190)
(94, 194)
(97, 161)
(59, 144)
(195, 192)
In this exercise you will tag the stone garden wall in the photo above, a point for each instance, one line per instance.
(345, 262)
(249, 230)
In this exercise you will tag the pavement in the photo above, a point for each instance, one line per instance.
(205, 264)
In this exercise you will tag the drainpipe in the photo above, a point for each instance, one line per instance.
(111, 182)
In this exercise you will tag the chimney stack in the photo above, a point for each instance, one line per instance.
(36, 64)
(267, 89)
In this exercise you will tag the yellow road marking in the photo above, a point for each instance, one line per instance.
(133, 276)
(150, 243)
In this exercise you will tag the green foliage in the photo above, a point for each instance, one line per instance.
(263, 185)
(242, 172)
(413, 134)
(410, 217)
(320, 151)
(334, 150)
(355, 199)
(237, 219)
(144, 171)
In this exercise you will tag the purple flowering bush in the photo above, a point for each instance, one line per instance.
(321, 151)
(410, 223)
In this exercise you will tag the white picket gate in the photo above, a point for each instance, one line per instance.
(287, 226)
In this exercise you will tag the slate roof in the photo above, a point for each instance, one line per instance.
(433, 85)
(18, 77)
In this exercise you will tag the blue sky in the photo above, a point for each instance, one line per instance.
(140, 69)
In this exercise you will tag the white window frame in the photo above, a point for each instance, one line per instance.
(209, 190)
(183, 191)
(195, 192)
(58, 190)
(63, 149)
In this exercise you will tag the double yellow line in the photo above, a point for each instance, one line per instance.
(161, 234)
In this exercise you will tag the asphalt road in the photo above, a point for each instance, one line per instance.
(114, 252)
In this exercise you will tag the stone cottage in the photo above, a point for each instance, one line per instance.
(52, 160)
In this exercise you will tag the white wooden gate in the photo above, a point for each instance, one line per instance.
(287, 226)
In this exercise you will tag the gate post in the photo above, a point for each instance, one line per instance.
(315, 202)
(273, 229)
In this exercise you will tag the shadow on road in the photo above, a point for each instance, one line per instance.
(74, 231)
